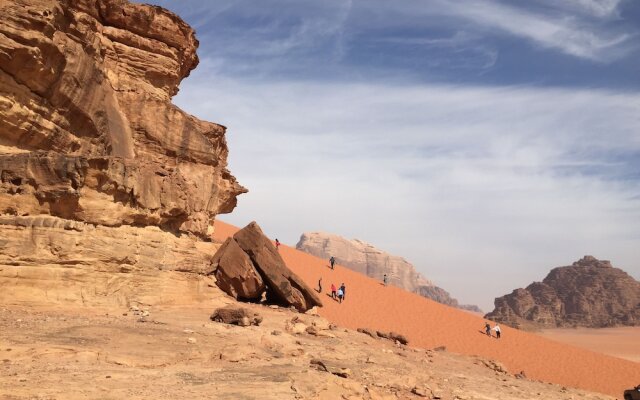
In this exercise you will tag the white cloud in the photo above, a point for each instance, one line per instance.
(484, 189)
(561, 30)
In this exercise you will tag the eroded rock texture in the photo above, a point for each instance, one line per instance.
(248, 259)
(98, 170)
(364, 258)
(87, 129)
(589, 293)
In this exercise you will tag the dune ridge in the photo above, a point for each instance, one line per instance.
(428, 324)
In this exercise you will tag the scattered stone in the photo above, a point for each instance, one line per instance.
(191, 340)
(188, 331)
(521, 375)
(382, 334)
(421, 391)
(276, 332)
(330, 367)
(440, 348)
(398, 337)
(368, 331)
(233, 315)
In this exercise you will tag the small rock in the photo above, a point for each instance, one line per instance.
(191, 340)
(440, 348)
(276, 332)
(420, 391)
(236, 316)
(331, 368)
(187, 331)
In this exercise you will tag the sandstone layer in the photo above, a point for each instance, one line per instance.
(366, 259)
(99, 173)
(588, 293)
(87, 129)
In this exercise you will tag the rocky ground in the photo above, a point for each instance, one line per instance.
(177, 352)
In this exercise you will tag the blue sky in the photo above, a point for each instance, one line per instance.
(485, 141)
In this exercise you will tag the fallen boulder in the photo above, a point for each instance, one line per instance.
(236, 316)
(281, 281)
(235, 273)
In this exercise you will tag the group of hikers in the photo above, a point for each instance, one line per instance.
(336, 294)
(488, 329)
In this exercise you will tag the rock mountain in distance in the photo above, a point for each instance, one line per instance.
(368, 260)
(588, 293)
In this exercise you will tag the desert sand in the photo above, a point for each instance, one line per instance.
(427, 324)
(622, 342)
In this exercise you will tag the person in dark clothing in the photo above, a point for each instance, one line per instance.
(344, 293)
(384, 279)
(320, 285)
(332, 261)
(277, 244)
(487, 329)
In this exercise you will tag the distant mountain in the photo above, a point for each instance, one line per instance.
(366, 259)
(588, 293)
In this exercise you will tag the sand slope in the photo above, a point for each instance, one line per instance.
(428, 324)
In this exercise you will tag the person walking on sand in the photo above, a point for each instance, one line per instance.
(487, 329)
(497, 329)
(320, 285)
(277, 244)
(332, 261)
(333, 291)
(344, 291)
(340, 295)
(384, 279)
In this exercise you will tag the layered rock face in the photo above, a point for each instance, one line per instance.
(588, 293)
(87, 129)
(367, 259)
(96, 163)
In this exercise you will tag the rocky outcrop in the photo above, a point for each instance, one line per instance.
(588, 293)
(99, 172)
(235, 273)
(249, 253)
(367, 259)
(87, 129)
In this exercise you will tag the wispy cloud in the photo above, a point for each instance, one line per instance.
(557, 29)
(422, 127)
(447, 176)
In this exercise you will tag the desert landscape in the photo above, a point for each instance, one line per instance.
(119, 280)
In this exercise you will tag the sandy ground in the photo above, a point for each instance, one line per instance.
(427, 324)
(75, 352)
(621, 342)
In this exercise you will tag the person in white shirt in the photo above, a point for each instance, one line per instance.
(497, 329)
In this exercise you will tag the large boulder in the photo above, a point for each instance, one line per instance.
(281, 281)
(235, 273)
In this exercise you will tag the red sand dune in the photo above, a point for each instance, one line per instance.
(428, 324)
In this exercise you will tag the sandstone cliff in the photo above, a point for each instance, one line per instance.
(96, 164)
(588, 293)
(368, 260)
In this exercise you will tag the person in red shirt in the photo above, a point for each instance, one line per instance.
(333, 291)
(277, 244)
